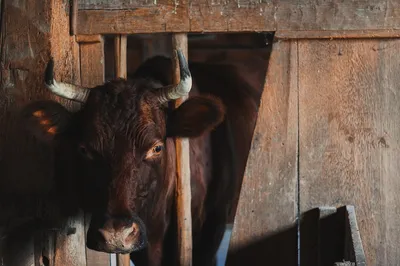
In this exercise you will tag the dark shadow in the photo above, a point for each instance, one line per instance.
(278, 249)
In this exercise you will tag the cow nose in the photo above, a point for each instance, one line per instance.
(123, 239)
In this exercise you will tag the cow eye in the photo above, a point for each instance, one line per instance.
(157, 149)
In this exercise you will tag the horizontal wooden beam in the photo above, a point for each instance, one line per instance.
(337, 34)
(242, 16)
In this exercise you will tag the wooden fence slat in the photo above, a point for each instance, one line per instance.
(92, 74)
(120, 47)
(237, 16)
(120, 52)
(264, 230)
(350, 136)
(183, 188)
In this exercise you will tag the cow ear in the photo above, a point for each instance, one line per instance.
(195, 116)
(45, 119)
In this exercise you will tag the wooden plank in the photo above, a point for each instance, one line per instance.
(92, 74)
(264, 228)
(183, 188)
(354, 249)
(123, 260)
(120, 56)
(40, 31)
(252, 16)
(92, 63)
(337, 34)
(115, 4)
(149, 20)
(350, 138)
(89, 38)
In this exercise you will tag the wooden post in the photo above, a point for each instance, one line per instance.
(121, 72)
(183, 192)
(120, 56)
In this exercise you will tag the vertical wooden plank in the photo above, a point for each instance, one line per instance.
(183, 188)
(350, 136)
(120, 46)
(264, 230)
(31, 32)
(70, 243)
(93, 74)
(123, 260)
(120, 56)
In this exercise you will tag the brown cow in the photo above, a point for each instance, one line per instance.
(119, 144)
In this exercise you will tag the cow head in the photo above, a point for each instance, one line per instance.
(119, 141)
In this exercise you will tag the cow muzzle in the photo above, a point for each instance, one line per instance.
(117, 236)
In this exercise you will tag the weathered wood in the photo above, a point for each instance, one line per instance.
(92, 63)
(31, 32)
(120, 47)
(264, 227)
(329, 235)
(123, 260)
(354, 249)
(183, 188)
(349, 135)
(92, 69)
(336, 34)
(243, 16)
(115, 4)
(89, 38)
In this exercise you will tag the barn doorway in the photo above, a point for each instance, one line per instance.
(248, 52)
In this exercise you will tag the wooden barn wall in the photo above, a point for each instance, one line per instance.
(145, 16)
(327, 135)
(31, 33)
(350, 136)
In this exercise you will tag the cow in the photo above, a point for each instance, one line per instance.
(115, 154)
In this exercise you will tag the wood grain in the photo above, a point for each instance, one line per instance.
(167, 13)
(336, 34)
(244, 16)
(115, 4)
(92, 74)
(120, 47)
(264, 224)
(349, 136)
(183, 188)
(30, 34)
(92, 63)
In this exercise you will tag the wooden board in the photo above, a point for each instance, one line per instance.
(183, 193)
(264, 228)
(242, 16)
(26, 166)
(350, 136)
(114, 4)
(92, 69)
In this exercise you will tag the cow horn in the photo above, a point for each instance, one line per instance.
(184, 86)
(64, 90)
